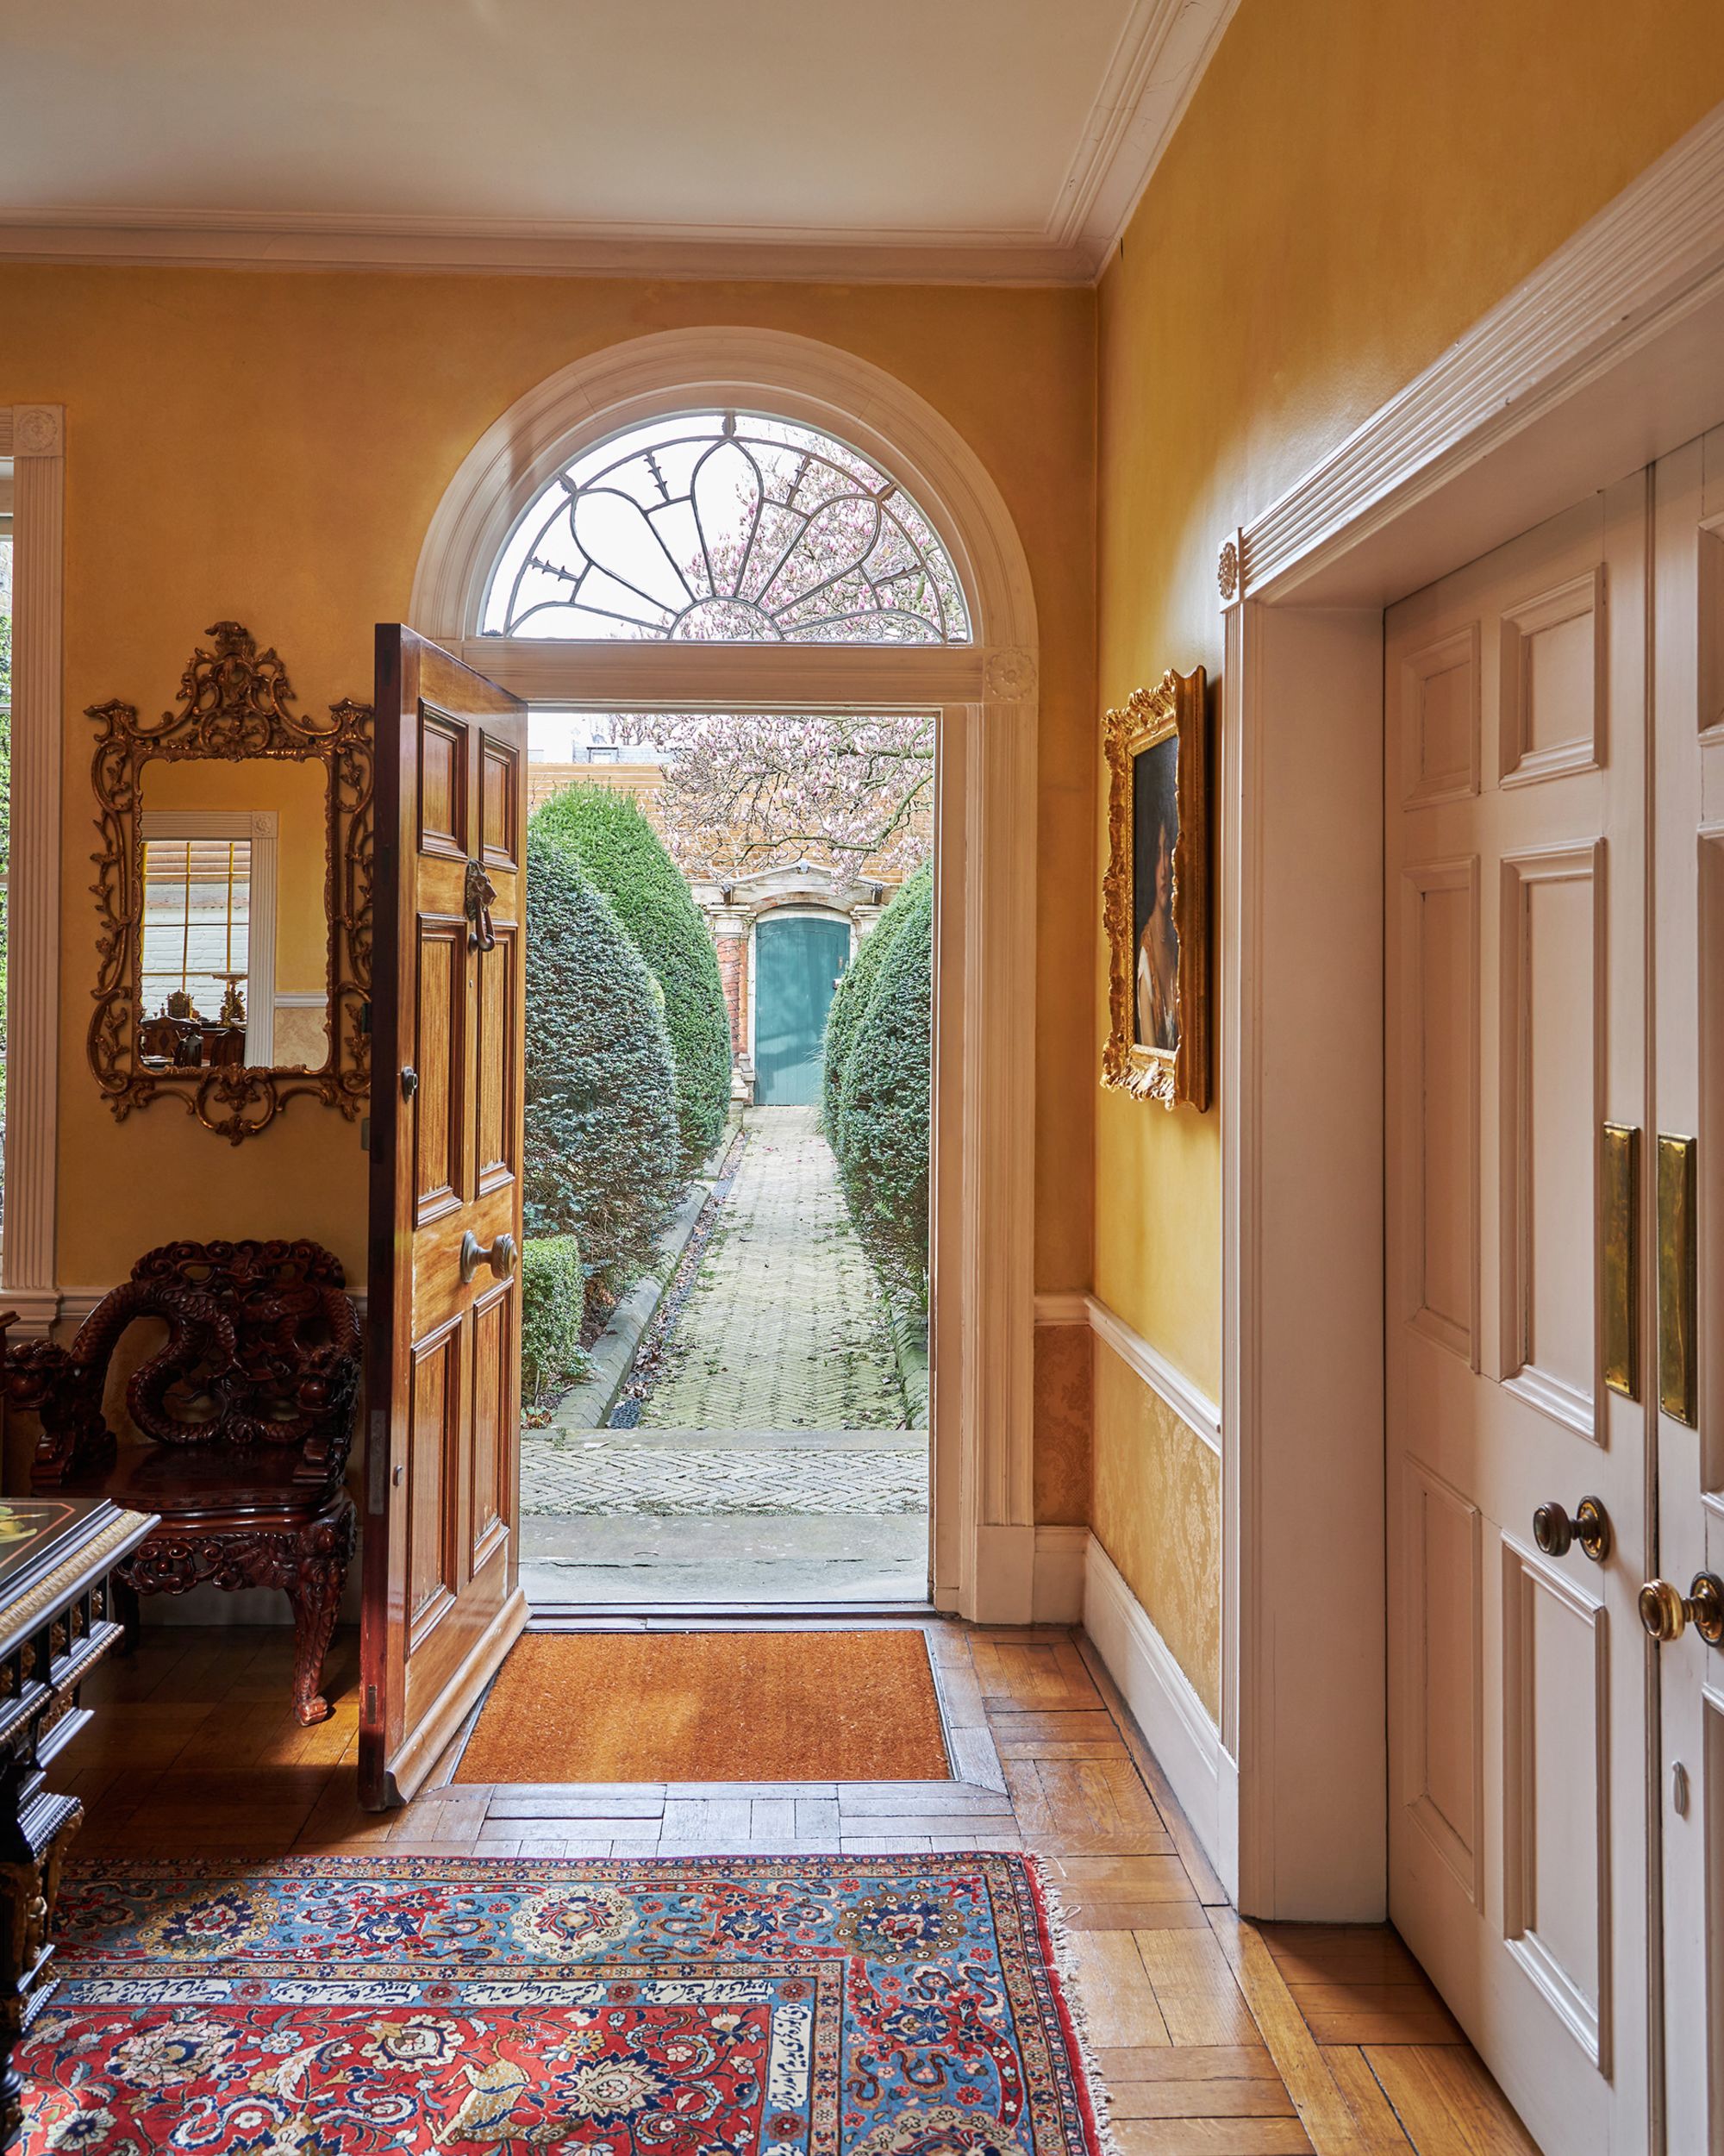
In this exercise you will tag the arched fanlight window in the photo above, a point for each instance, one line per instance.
(721, 528)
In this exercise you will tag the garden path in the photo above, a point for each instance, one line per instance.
(786, 1327)
(770, 1462)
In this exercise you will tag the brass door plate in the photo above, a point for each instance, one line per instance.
(1619, 1240)
(1677, 1231)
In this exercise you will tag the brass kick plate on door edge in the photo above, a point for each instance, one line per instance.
(1677, 1313)
(1619, 1237)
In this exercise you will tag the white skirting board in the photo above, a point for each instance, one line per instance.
(1169, 1712)
(1061, 1555)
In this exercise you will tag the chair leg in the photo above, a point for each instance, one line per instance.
(315, 1595)
(325, 1550)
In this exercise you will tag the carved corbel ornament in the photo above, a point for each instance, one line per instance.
(234, 703)
(1009, 675)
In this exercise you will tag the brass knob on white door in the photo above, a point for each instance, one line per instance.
(1554, 1531)
(500, 1256)
(1667, 1613)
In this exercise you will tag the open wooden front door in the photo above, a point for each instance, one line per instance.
(442, 1602)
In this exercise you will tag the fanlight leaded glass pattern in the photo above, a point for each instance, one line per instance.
(720, 528)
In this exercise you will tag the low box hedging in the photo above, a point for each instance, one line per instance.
(552, 1297)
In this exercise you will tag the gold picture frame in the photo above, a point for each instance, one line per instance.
(1156, 908)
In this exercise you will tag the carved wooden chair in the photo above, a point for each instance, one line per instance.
(242, 1417)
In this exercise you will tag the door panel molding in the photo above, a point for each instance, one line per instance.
(1531, 1885)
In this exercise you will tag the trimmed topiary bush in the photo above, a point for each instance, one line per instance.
(885, 1102)
(626, 858)
(602, 1155)
(552, 1297)
(856, 985)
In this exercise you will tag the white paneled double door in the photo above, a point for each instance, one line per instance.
(1545, 891)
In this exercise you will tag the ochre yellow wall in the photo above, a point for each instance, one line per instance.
(299, 794)
(1354, 184)
(269, 448)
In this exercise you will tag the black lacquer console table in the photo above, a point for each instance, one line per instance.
(56, 1623)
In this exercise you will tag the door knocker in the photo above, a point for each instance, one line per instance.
(480, 891)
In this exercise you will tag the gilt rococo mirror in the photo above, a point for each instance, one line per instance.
(232, 886)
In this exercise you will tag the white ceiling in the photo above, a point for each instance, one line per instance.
(1000, 139)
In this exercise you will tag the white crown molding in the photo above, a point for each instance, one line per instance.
(1159, 59)
(1651, 261)
(1157, 64)
(245, 240)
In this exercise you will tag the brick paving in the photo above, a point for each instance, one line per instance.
(786, 1327)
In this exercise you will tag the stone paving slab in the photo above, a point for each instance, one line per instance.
(612, 1474)
(853, 1557)
(785, 1326)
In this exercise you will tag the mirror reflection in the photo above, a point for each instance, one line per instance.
(233, 950)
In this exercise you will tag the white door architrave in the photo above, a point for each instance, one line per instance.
(34, 437)
(985, 694)
(1601, 361)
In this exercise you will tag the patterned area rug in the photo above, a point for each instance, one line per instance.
(341, 2006)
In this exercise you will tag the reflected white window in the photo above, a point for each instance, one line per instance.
(721, 528)
(197, 924)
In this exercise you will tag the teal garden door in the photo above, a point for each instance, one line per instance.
(797, 960)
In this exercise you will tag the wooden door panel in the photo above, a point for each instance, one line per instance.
(442, 1601)
(442, 817)
(438, 1103)
(433, 1448)
(500, 781)
(498, 1080)
(496, 1380)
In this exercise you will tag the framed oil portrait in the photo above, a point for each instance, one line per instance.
(1155, 899)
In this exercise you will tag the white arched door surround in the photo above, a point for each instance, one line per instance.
(985, 693)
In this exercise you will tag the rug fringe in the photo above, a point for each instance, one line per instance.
(1063, 1957)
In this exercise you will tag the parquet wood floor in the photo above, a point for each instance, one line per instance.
(1215, 2036)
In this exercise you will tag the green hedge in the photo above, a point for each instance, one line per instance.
(850, 1000)
(552, 1297)
(601, 1159)
(886, 1100)
(625, 857)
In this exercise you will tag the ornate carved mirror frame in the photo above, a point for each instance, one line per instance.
(234, 705)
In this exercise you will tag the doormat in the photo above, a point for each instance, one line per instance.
(710, 1707)
(366, 2006)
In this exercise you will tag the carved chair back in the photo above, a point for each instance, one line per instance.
(262, 1351)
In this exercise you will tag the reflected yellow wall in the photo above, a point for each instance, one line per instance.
(1352, 185)
(269, 449)
(299, 794)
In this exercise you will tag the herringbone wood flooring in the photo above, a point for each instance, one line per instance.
(1215, 2036)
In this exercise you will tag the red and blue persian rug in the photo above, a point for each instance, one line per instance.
(756, 2006)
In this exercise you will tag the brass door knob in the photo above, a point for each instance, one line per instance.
(1667, 1614)
(1554, 1531)
(500, 1256)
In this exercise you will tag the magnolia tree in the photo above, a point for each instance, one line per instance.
(747, 790)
